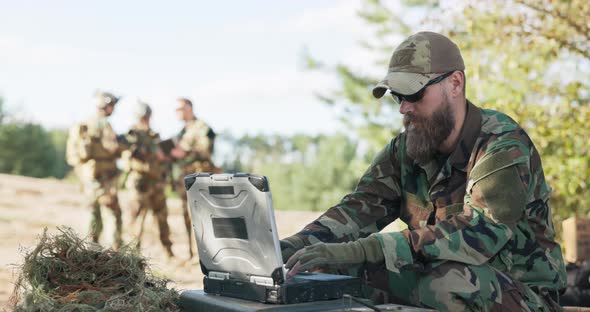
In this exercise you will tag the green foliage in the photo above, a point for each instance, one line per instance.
(58, 140)
(527, 58)
(530, 59)
(2, 112)
(305, 172)
(373, 121)
(28, 149)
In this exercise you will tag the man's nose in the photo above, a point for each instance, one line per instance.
(406, 107)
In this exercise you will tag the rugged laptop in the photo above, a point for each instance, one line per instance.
(239, 252)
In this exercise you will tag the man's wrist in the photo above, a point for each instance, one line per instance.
(295, 241)
(290, 245)
(372, 249)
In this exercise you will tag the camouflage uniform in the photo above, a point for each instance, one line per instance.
(76, 153)
(99, 174)
(146, 180)
(197, 139)
(480, 234)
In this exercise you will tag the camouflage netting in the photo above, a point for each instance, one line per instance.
(66, 273)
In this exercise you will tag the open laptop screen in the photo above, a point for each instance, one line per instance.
(234, 224)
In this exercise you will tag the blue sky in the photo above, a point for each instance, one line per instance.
(239, 61)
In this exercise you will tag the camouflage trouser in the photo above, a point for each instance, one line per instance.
(102, 192)
(451, 286)
(181, 191)
(148, 195)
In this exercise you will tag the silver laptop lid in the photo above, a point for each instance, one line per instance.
(234, 225)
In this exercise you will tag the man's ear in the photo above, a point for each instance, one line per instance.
(456, 83)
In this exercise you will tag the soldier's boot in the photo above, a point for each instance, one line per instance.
(117, 237)
(162, 216)
(95, 223)
(169, 253)
(141, 227)
(95, 237)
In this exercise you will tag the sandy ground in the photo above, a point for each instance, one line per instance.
(29, 205)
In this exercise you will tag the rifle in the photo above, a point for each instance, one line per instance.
(125, 144)
(166, 146)
(124, 180)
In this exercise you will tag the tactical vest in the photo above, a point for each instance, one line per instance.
(101, 147)
(143, 145)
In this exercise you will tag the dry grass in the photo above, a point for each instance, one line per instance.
(66, 273)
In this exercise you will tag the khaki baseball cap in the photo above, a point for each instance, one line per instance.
(417, 60)
(142, 109)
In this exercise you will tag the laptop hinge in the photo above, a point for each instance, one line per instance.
(261, 280)
(218, 275)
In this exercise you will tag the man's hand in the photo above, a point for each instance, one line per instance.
(160, 156)
(178, 153)
(290, 245)
(338, 255)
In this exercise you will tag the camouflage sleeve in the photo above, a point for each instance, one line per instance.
(374, 204)
(100, 139)
(155, 144)
(109, 139)
(196, 142)
(498, 190)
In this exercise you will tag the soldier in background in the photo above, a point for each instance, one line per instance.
(76, 154)
(146, 176)
(96, 151)
(193, 153)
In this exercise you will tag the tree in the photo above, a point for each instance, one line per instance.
(527, 58)
(306, 172)
(28, 149)
(2, 112)
(375, 122)
(58, 140)
(536, 42)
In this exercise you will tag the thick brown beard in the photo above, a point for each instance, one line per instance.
(427, 134)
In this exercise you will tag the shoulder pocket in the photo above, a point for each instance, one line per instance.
(491, 164)
(495, 183)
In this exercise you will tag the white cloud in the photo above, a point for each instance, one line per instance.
(341, 17)
(264, 85)
(56, 79)
(15, 51)
(267, 102)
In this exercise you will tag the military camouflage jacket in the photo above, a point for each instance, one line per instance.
(101, 139)
(143, 146)
(487, 202)
(195, 138)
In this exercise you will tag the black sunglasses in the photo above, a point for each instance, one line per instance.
(413, 98)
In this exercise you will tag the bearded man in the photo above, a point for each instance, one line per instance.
(469, 184)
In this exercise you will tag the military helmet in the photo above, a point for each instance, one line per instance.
(142, 109)
(103, 99)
